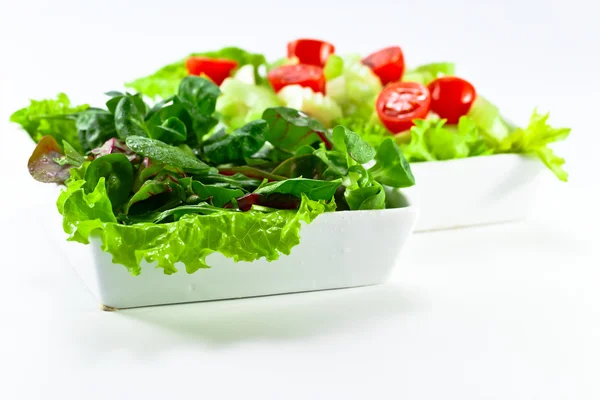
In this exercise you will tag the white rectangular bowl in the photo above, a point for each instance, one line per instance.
(474, 191)
(337, 250)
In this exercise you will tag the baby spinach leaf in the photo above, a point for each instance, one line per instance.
(117, 96)
(336, 162)
(233, 181)
(163, 153)
(199, 92)
(307, 166)
(346, 141)
(172, 131)
(117, 171)
(392, 168)
(129, 119)
(362, 192)
(42, 164)
(239, 144)
(312, 188)
(95, 127)
(219, 195)
(366, 198)
(290, 129)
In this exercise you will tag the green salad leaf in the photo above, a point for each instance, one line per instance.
(311, 188)
(94, 127)
(392, 168)
(164, 82)
(239, 144)
(129, 118)
(163, 153)
(425, 74)
(534, 139)
(116, 170)
(243, 102)
(290, 129)
(50, 117)
(242, 236)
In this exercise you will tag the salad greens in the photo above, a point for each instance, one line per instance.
(205, 156)
(171, 183)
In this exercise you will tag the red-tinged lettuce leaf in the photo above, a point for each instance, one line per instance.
(115, 145)
(43, 165)
(240, 236)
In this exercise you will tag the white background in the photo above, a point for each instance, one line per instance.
(502, 312)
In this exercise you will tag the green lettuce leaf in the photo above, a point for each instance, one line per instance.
(392, 168)
(50, 117)
(424, 74)
(311, 188)
(242, 236)
(164, 82)
(356, 89)
(534, 139)
(322, 108)
(432, 140)
(242, 102)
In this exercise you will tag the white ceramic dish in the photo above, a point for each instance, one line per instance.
(474, 191)
(337, 250)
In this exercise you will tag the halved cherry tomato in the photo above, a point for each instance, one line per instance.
(451, 97)
(300, 74)
(217, 69)
(310, 51)
(387, 64)
(400, 103)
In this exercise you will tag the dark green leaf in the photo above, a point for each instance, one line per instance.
(199, 92)
(171, 131)
(129, 120)
(137, 99)
(219, 195)
(95, 127)
(336, 162)
(155, 196)
(312, 188)
(344, 140)
(392, 168)
(307, 166)
(235, 181)
(289, 129)
(236, 146)
(117, 171)
(163, 153)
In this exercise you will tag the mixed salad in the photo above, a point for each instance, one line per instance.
(225, 152)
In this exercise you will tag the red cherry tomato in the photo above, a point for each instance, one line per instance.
(300, 74)
(387, 64)
(451, 97)
(400, 103)
(217, 69)
(310, 51)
